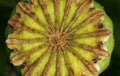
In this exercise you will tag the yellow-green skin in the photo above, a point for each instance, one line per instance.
(109, 44)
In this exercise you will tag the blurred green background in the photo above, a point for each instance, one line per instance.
(112, 8)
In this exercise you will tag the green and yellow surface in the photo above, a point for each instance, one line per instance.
(4, 55)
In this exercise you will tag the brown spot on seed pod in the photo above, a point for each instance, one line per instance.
(100, 44)
(24, 64)
(100, 25)
(12, 28)
(96, 59)
(91, 9)
(15, 49)
(19, 15)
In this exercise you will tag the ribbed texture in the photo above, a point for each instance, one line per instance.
(50, 40)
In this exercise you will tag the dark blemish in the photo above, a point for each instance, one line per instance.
(100, 25)
(15, 49)
(91, 9)
(100, 44)
(19, 15)
(12, 28)
(24, 64)
(95, 60)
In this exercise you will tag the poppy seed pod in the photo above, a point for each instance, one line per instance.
(60, 38)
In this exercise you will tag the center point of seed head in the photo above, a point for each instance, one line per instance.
(57, 39)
